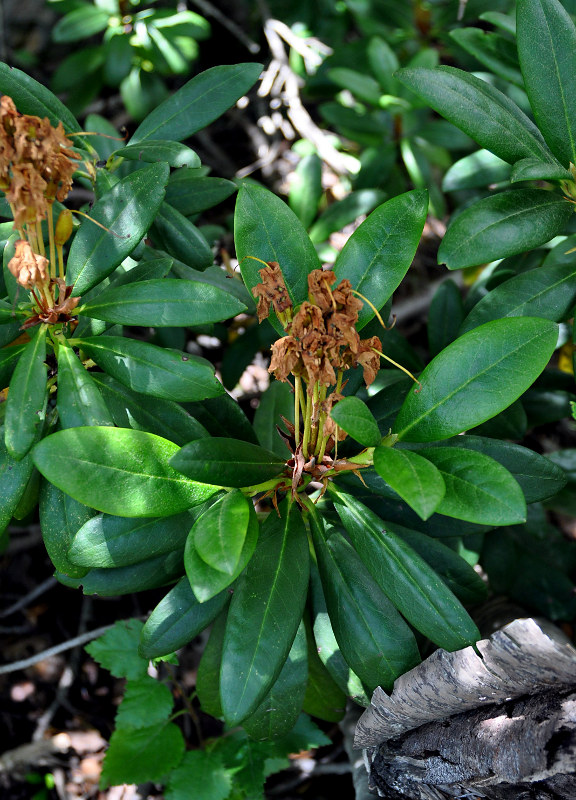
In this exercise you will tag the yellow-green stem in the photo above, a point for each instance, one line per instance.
(40, 238)
(315, 416)
(307, 423)
(60, 251)
(51, 241)
(297, 393)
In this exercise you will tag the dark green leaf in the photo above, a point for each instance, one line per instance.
(80, 23)
(208, 674)
(227, 462)
(415, 589)
(532, 169)
(198, 103)
(190, 193)
(377, 255)
(153, 370)
(163, 303)
(306, 189)
(126, 211)
(181, 238)
(324, 698)
(116, 650)
(60, 518)
(146, 702)
(353, 416)
(480, 110)
(502, 225)
(476, 377)
(276, 402)
(178, 619)
(144, 754)
(223, 416)
(478, 169)
(546, 40)
(14, 477)
(445, 316)
(79, 401)
(26, 402)
(478, 488)
(344, 212)
(492, 50)
(150, 151)
(374, 639)
(416, 480)
(118, 471)
(220, 534)
(264, 614)
(204, 771)
(150, 574)
(266, 228)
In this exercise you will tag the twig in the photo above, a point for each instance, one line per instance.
(211, 11)
(49, 583)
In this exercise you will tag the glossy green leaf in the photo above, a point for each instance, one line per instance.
(219, 536)
(533, 169)
(363, 87)
(276, 402)
(163, 303)
(480, 110)
(190, 193)
(324, 698)
(142, 754)
(198, 103)
(445, 316)
(173, 153)
(9, 357)
(117, 58)
(476, 377)
(344, 212)
(153, 370)
(181, 238)
(14, 478)
(227, 462)
(223, 416)
(81, 23)
(546, 292)
(354, 416)
(416, 480)
(126, 211)
(414, 588)
(143, 413)
(150, 574)
(478, 488)
(377, 255)
(374, 639)
(79, 402)
(502, 225)
(148, 270)
(306, 188)
(265, 612)
(107, 541)
(546, 40)
(279, 710)
(208, 673)
(26, 402)
(476, 170)
(60, 518)
(178, 619)
(9, 314)
(266, 228)
(118, 471)
(492, 50)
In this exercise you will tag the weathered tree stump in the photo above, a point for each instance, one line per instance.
(499, 723)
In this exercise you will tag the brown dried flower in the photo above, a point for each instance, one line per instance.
(272, 290)
(29, 268)
(369, 359)
(286, 354)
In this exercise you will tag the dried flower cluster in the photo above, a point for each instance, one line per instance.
(36, 168)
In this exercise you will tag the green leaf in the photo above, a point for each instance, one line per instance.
(279, 710)
(14, 477)
(344, 212)
(445, 316)
(480, 110)
(220, 534)
(144, 754)
(207, 581)
(181, 238)
(362, 86)
(146, 702)
(414, 588)
(503, 225)
(173, 153)
(223, 416)
(107, 541)
(377, 255)
(264, 615)
(198, 103)
(476, 377)
(208, 674)
(374, 639)
(117, 650)
(266, 228)
(227, 462)
(163, 304)
(126, 212)
(118, 471)
(478, 488)
(324, 698)
(204, 771)
(31, 97)
(153, 370)
(60, 518)
(9, 357)
(546, 40)
(492, 50)
(150, 574)
(26, 402)
(353, 416)
(414, 478)
(178, 619)
(474, 171)
(306, 189)
(548, 292)
(143, 413)
(533, 169)
(80, 23)
(79, 401)
(190, 193)
(276, 402)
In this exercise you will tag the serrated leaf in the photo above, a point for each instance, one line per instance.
(146, 702)
(227, 462)
(205, 772)
(476, 377)
(118, 471)
(144, 754)
(117, 650)
(411, 477)
(354, 417)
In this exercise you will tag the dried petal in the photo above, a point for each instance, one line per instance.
(308, 318)
(319, 283)
(286, 354)
(271, 290)
(29, 268)
(368, 358)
